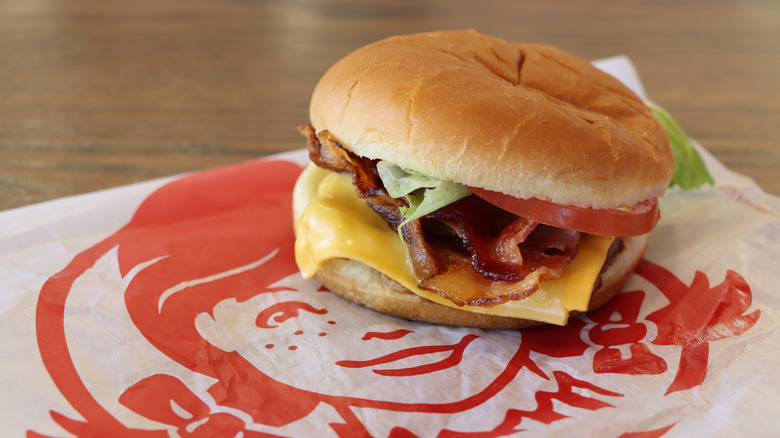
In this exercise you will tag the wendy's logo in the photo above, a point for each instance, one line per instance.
(193, 321)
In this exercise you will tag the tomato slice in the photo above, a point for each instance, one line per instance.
(634, 221)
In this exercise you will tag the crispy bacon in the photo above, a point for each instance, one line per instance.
(508, 255)
(490, 235)
(422, 256)
(329, 154)
(499, 255)
(480, 291)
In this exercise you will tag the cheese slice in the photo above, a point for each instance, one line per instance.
(338, 224)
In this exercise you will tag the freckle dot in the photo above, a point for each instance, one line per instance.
(299, 332)
(323, 334)
(332, 322)
(269, 346)
(293, 347)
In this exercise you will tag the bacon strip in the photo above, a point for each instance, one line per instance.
(424, 262)
(470, 252)
(490, 235)
(480, 291)
(329, 154)
(509, 256)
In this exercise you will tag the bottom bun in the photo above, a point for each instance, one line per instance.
(368, 287)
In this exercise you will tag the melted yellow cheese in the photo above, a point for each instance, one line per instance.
(337, 224)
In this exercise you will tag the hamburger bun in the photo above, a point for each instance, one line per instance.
(526, 120)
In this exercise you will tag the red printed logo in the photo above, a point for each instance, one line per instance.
(193, 321)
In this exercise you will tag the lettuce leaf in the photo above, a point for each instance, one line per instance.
(689, 169)
(424, 193)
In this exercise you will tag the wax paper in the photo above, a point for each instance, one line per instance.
(173, 308)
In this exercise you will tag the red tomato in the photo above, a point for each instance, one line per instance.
(639, 219)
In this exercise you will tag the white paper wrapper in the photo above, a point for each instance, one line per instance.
(173, 308)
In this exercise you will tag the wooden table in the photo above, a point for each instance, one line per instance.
(97, 93)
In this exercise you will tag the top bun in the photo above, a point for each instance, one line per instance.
(522, 119)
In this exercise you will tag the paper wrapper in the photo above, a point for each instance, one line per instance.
(174, 308)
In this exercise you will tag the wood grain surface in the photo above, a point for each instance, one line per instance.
(101, 93)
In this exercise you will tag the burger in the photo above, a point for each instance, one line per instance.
(460, 179)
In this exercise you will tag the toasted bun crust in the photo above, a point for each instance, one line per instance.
(522, 119)
(368, 287)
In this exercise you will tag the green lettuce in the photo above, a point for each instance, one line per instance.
(424, 193)
(689, 169)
